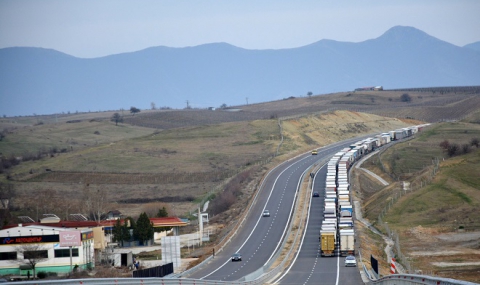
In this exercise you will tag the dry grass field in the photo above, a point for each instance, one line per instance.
(438, 219)
(181, 158)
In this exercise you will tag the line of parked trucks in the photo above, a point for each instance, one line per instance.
(337, 234)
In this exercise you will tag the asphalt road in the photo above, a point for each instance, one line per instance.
(310, 267)
(260, 237)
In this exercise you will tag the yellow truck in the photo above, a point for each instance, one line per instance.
(327, 242)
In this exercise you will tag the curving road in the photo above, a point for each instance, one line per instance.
(260, 237)
(309, 267)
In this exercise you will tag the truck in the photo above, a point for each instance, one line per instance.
(327, 242)
(347, 242)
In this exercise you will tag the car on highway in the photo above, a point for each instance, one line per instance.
(315, 194)
(266, 213)
(236, 257)
(350, 261)
(314, 152)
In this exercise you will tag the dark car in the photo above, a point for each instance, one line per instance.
(237, 257)
(315, 194)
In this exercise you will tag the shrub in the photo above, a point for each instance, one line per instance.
(474, 142)
(445, 145)
(41, 275)
(453, 150)
(405, 97)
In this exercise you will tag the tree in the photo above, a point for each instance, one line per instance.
(152, 105)
(134, 110)
(7, 195)
(144, 229)
(309, 94)
(95, 201)
(405, 97)
(117, 118)
(162, 213)
(32, 255)
(121, 232)
(223, 106)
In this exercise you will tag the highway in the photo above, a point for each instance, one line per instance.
(309, 267)
(260, 237)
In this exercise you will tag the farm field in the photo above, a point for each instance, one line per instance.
(180, 167)
(181, 158)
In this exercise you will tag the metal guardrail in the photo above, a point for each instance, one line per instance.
(410, 279)
(129, 281)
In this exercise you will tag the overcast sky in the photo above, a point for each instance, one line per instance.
(87, 28)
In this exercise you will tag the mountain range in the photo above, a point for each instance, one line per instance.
(45, 81)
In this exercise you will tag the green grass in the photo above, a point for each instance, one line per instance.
(454, 194)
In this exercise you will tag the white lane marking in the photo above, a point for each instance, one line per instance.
(258, 220)
(303, 235)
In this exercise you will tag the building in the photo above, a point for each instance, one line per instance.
(95, 244)
(50, 246)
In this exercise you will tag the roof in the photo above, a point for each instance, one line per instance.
(167, 222)
(24, 230)
(157, 222)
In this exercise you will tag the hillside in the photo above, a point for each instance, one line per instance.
(436, 219)
(42, 81)
(180, 159)
(181, 166)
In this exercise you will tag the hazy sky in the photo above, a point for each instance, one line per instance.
(87, 28)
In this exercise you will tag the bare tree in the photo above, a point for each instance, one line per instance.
(7, 195)
(152, 105)
(151, 209)
(33, 254)
(95, 202)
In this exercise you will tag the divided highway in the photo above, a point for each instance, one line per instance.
(260, 237)
(309, 267)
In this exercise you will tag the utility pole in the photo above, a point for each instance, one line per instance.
(188, 106)
(247, 100)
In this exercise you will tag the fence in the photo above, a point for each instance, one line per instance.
(418, 183)
(157, 271)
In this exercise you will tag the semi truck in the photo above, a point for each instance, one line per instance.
(327, 242)
(347, 242)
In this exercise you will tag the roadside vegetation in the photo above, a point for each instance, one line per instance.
(434, 213)
(180, 159)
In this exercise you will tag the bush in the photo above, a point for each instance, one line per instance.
(466, 148)
(405, 97)
(453, 150)
(474, 142)
(41, 275)
(445, 145)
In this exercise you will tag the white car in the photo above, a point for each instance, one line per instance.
(350, 261)
(266, 213)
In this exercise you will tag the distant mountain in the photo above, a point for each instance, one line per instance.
(43, 81)
(475, 46)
